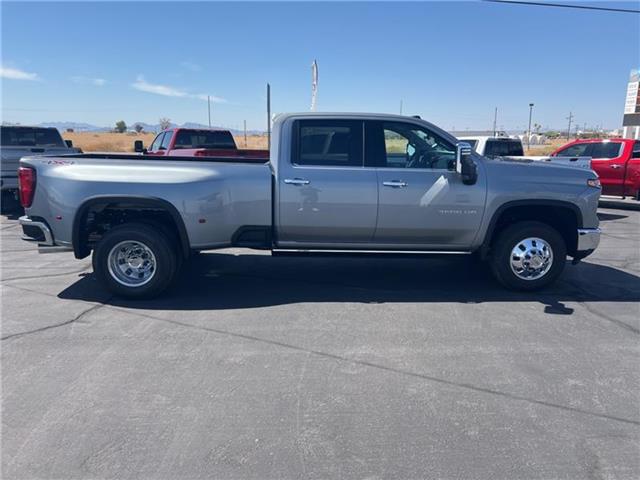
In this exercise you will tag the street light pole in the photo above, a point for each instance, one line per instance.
(529, 132)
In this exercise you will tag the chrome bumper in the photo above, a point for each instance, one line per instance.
(48, 245)
(588, 239)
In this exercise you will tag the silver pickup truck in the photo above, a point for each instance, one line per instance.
(19, 141)
(339, 183)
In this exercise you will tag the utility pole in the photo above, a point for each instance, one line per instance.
(268, 117)
(400, 106)
(570, 118)
(245, 133)
(209, 109)
(495, 120)
(529, 131)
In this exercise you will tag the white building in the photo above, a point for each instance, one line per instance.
(631, 117)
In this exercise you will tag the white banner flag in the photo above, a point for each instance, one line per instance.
(314, 84)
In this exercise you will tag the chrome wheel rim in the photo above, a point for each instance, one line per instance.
(132, 263)
(531, 258)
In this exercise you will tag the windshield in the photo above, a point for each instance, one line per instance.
(30, 137)
(503, 148)
(204, 139)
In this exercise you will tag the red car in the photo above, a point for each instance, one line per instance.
(616, 161)
(192, 142)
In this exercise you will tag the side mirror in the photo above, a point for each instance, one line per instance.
(465, 165)
(138, 146)
(68, 143)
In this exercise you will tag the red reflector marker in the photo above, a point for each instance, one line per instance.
(26, 185)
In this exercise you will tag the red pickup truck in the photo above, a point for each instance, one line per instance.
(616, 161)
(190, 142)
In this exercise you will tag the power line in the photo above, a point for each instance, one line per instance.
(563, 5)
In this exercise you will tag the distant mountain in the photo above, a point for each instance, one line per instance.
(76, 126)
(147, 127)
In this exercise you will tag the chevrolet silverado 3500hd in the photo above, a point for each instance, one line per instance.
(334, 183)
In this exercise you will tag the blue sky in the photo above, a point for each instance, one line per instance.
(450, 62)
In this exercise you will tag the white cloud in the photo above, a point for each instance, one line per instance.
(194, 67)
(168, 91)
(98, 82)
(16, 74)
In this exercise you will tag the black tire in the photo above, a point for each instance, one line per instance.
(500, 258)
(164, 269)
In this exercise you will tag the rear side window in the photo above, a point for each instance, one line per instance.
(503, 148)
(605, 150)
(577, 150)
(30, 137)
(204, 139)
(329, 143)
(636, 150)
(166, 140)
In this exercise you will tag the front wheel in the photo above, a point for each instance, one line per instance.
(135, 261)
(528, 256)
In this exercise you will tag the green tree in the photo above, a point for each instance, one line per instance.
(138, 128)
(121, 127)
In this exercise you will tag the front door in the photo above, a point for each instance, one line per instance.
(422, 200)
(326, 198)
(608, 160)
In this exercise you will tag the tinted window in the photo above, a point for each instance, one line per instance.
(166, 140)
(329, 143)
(411, 146)
(636, 150)
(605, 150)
(503, 148)
(204, 139)
(30, 137)
(578, 150)
(156, 143)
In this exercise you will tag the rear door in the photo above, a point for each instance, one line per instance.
(326, 198)
(423, 203)
(608, 160)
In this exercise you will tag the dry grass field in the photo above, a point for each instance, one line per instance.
(123, 142)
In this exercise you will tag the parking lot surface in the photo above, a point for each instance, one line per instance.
(261, 367)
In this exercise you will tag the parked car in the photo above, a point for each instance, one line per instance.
(19, 141)
(191, 142)
(616, 161)
(336, 183)
(495, 146)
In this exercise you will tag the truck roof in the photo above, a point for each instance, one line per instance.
(600, 140)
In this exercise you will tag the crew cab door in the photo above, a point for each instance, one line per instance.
(607, 160)
(326, 198)
(423, 203)
(161, 143)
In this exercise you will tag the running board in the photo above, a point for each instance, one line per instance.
(53, 249)
(278, 251)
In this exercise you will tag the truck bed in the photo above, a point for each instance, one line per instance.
(215, 197)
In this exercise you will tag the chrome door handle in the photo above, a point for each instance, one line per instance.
(395, 184)
(615, 165)
(296, 181)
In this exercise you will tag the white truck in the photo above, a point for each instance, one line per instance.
(507, 147)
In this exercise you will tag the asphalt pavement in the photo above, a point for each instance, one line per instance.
(260, 367)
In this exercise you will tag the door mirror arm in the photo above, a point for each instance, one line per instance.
(465, 166)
